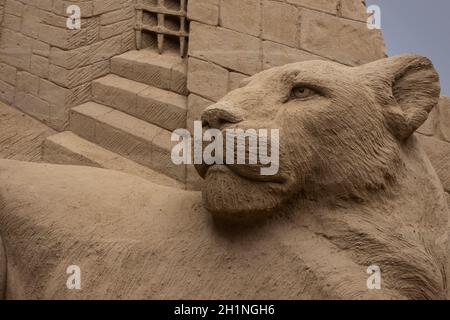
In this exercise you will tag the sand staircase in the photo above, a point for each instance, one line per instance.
(128, 124)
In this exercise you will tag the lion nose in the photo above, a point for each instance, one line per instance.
(219, 114)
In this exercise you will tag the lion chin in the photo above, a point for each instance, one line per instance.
(236, 199)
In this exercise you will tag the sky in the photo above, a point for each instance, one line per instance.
(418, 26)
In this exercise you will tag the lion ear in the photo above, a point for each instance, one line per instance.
(413, 88)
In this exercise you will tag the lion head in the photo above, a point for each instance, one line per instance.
(341, 128)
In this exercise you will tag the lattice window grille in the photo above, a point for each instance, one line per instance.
(162, 9)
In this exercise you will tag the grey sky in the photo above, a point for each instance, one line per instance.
(419, 26)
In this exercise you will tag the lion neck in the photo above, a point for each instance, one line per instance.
(395, 226)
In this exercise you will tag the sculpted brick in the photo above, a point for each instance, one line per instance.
(230, 49)
(58, 117)
(124, 13)
(42, 4)
(14, 7)
(102, 50)
(11, 22)
(75, 77)
(196, 105)
(8, 73)
(241, 15)
(31, 22)
(429, 128)
(103, 6)
(52, 19)
(32, 105)
(207, 79)
(353, 9)
(444, 118)
(59, 96)
(335, 38)
(439, 153)
(275, 54)
(7, 92)
(26, 82)
(205, 11)
(280, 23)
(115, 29)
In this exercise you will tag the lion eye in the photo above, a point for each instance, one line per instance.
(302, 92)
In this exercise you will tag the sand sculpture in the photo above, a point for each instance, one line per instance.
(354, 189)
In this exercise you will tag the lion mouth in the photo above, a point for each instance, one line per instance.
(247, 172)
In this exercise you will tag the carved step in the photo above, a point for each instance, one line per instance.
(166, 71)
(127, 136)
(161, 107)
(68, 148)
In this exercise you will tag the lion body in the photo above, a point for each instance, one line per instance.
(136, 240)
(354, 190)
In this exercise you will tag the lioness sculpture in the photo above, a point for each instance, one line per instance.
(354, 190)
